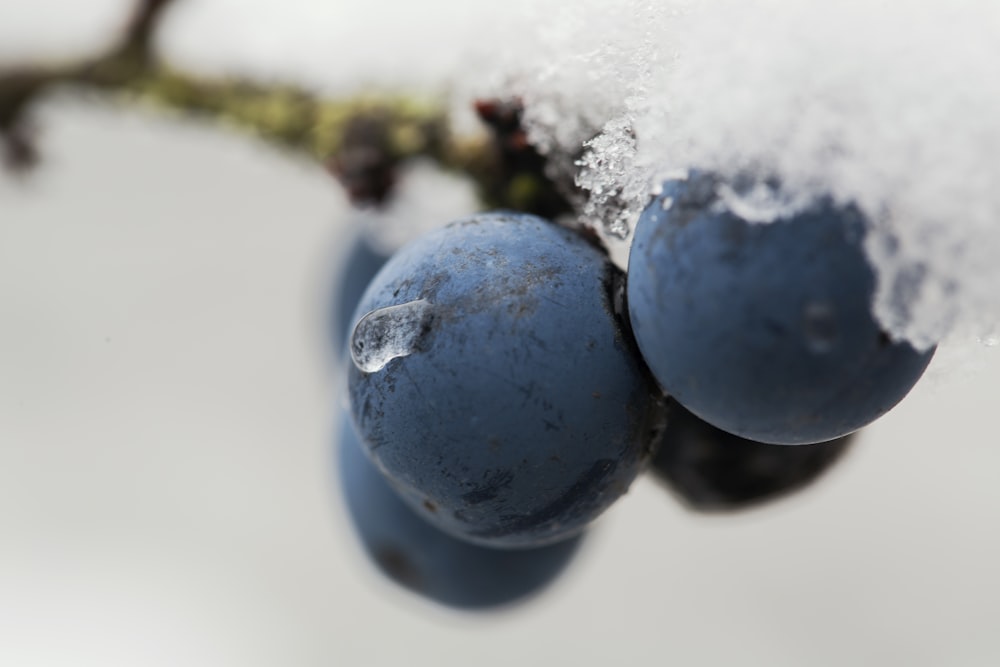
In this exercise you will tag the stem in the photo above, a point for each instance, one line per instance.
(360, 140)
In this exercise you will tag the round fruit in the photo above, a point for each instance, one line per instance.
(421, 558)
(714, 471)
(762, 329)
(494, 384)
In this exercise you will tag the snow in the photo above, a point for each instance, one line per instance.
(892, 106)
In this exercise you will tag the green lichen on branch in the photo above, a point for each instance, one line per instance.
(296, 119)
(361, 140)
(291, 117)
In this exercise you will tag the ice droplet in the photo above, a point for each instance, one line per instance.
(667, 203)
(389, 333)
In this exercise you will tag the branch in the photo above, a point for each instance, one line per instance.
(361, 140)
(140, 30)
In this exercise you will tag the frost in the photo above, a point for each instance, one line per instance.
(612, 152)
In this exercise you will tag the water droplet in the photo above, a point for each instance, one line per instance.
(819, 324)
(667, 203)
(389, 333)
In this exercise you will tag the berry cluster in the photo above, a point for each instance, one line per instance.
(509, 383)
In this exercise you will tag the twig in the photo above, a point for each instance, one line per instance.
(360, 140)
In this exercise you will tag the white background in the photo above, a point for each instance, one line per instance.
(168, 409)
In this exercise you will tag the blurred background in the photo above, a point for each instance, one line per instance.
(170, 409)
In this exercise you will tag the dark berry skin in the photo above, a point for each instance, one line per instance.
(714, 471)
(764, 330)
(419, 557)
(520, 409)
(362, 263)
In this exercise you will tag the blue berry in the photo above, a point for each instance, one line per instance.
(712, 471)
(764, 330)
(494, 384)
(421, 558)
